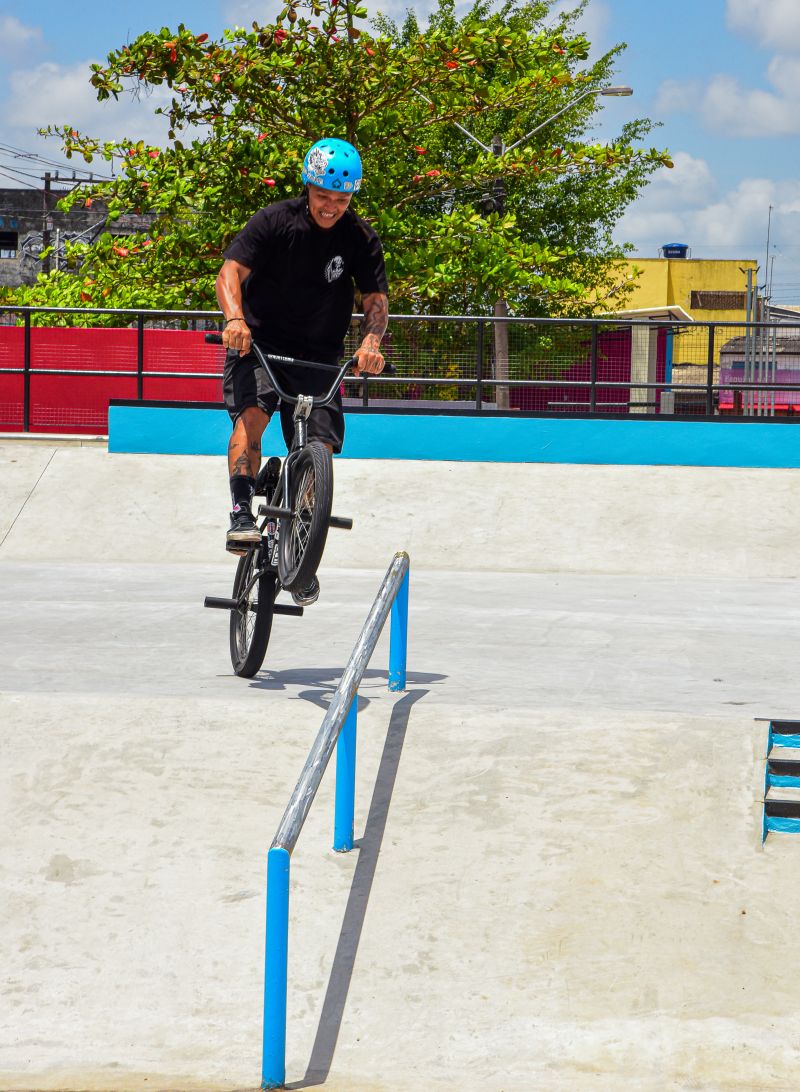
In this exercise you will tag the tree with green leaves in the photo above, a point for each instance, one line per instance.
(243, 111)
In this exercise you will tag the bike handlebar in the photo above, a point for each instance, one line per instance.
(265, 359)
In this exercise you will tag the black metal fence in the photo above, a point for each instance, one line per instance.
(60, 366)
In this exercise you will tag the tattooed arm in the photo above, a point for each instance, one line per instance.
(236, 332)
(376, 318)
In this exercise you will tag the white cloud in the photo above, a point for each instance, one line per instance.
(677, 97)
(723, 103)
(52, 94)
(16, 38)
(784, 75)
(773, 23)
(740, 216)
(730, 225)
(242, 13)
(667, 206)
(687, 183)
(727, 107)
(593, 22)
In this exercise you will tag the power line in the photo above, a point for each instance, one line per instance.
(30, 185)
(22, 153)
(20, 172)
(10, 151)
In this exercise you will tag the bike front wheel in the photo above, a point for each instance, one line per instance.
(301, 539)
(251, 621)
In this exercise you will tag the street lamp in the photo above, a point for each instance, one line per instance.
(618, 92)
(614, 92)
(498, 148)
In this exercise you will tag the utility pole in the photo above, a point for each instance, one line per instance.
(766, 261)
(46, 220)
(749, 340)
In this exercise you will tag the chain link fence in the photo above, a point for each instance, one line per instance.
(57, 377)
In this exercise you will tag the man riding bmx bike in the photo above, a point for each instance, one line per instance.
(288, 282)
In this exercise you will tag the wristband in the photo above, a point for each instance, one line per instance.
(236, 318)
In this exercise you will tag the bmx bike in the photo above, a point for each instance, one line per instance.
(294, 522)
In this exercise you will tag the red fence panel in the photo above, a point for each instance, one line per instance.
(78, 403)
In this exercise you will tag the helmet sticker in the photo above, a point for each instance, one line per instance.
(334, 269)
(317, 161)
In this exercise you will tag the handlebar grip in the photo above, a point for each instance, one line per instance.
(388, 369)
(214, 339)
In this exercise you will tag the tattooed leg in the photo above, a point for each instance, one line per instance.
(244, 448)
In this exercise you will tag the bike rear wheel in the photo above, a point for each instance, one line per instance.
(251, 621)
(302, 538)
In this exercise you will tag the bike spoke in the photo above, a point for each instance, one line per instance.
(247, 617)
(301, 524)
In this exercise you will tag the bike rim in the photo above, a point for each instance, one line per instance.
(301, 521)
(247, 613)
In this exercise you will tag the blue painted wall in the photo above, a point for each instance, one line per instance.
(648, 441)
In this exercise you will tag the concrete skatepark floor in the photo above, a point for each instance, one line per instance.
(559, 881)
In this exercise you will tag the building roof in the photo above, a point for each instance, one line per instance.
(788, 344)
(673, 313)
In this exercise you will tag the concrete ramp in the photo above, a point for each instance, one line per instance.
(559, 881)
(486, 517)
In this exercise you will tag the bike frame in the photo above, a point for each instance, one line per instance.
(303, 403)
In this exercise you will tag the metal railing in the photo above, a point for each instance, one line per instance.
(450, 362)
(338, 729)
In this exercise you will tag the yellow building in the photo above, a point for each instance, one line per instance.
(704, 290)
(707, 289)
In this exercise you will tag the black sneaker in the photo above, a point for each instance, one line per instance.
(308, 595)
(243, 531)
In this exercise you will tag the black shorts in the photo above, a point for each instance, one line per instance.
(245, 383)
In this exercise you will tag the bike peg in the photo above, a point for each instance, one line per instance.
(340, 521)
(222, 604)
(274, 513)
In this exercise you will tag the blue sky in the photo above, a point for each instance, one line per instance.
(722, 77)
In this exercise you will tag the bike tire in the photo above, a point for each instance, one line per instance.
(301, 539)
(251, 623)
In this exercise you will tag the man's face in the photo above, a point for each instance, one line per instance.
(326, 206)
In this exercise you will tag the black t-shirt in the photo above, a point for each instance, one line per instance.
(298, 299)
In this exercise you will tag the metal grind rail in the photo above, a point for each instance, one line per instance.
(339, 724)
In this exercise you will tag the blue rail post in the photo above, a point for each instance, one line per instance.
(344, 818)
(339, 720)
(398, 640)
(273, 1059)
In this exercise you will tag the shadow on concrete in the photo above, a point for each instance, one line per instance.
(369, 847)
(318, 684)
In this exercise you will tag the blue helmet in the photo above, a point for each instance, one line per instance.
(333, 165)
